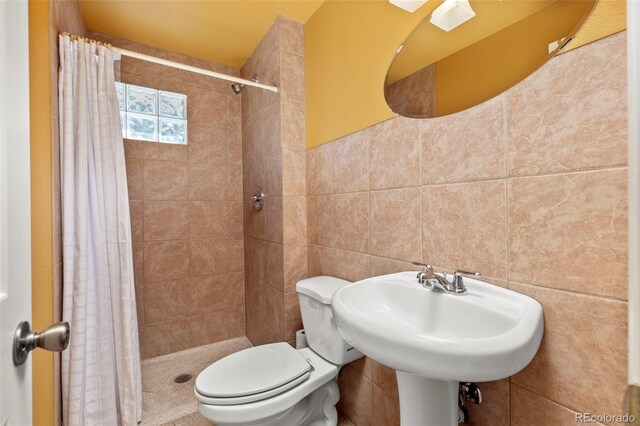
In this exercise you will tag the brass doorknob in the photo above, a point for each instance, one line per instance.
(54, 338)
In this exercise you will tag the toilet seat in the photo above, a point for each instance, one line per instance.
(260, 411)
(252, 375)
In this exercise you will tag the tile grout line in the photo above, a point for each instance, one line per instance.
(505, 125)
(609, 298)
(542, 397)
(571, 172)
(509, 408)
(420, 175)
(368, 141)
(505, 130)
(574, 292)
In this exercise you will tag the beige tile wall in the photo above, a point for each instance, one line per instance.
(415, 94)
(186, 211)
(273, 130)
(528, 188)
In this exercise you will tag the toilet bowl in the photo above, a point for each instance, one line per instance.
(275, 384)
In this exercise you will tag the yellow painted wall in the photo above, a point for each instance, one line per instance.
(479, 72)
(220, 31)
(41, 206)
(609, 17)
(349, 46)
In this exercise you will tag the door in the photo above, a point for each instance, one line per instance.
(15, 214)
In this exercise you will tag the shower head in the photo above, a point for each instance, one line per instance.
(237, 87)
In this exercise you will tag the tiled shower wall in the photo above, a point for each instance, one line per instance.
(273, 131)
(528, 188)
(186, 211)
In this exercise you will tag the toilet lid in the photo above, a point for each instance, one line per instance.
(251, 371)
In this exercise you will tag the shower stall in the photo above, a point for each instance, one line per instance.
(213, 275)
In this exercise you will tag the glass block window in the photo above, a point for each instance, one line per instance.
(152, 115)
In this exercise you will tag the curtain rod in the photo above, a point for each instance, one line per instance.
(178, 65)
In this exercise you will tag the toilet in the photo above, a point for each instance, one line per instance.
(275, 384)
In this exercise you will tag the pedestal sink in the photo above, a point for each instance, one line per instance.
(436, 340)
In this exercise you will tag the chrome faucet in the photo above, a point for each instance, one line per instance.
(429, 279)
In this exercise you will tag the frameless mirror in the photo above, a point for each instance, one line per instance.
(437, 72)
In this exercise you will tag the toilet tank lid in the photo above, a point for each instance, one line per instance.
(321, 288)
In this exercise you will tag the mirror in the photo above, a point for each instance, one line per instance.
(437, 72)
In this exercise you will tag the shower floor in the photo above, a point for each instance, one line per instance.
(165, 402)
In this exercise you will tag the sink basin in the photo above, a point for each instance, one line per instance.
(435, 340)
(489, 333)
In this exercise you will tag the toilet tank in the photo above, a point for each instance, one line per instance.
(322, 334)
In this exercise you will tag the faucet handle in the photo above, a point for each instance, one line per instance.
(458, 283)
(424, 265)
(468, 273)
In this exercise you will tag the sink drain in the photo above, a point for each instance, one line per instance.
(183, 378)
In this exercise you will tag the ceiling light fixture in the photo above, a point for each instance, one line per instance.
(408, 5)
(452, 13)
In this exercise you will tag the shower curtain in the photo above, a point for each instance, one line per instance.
(101, 379)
